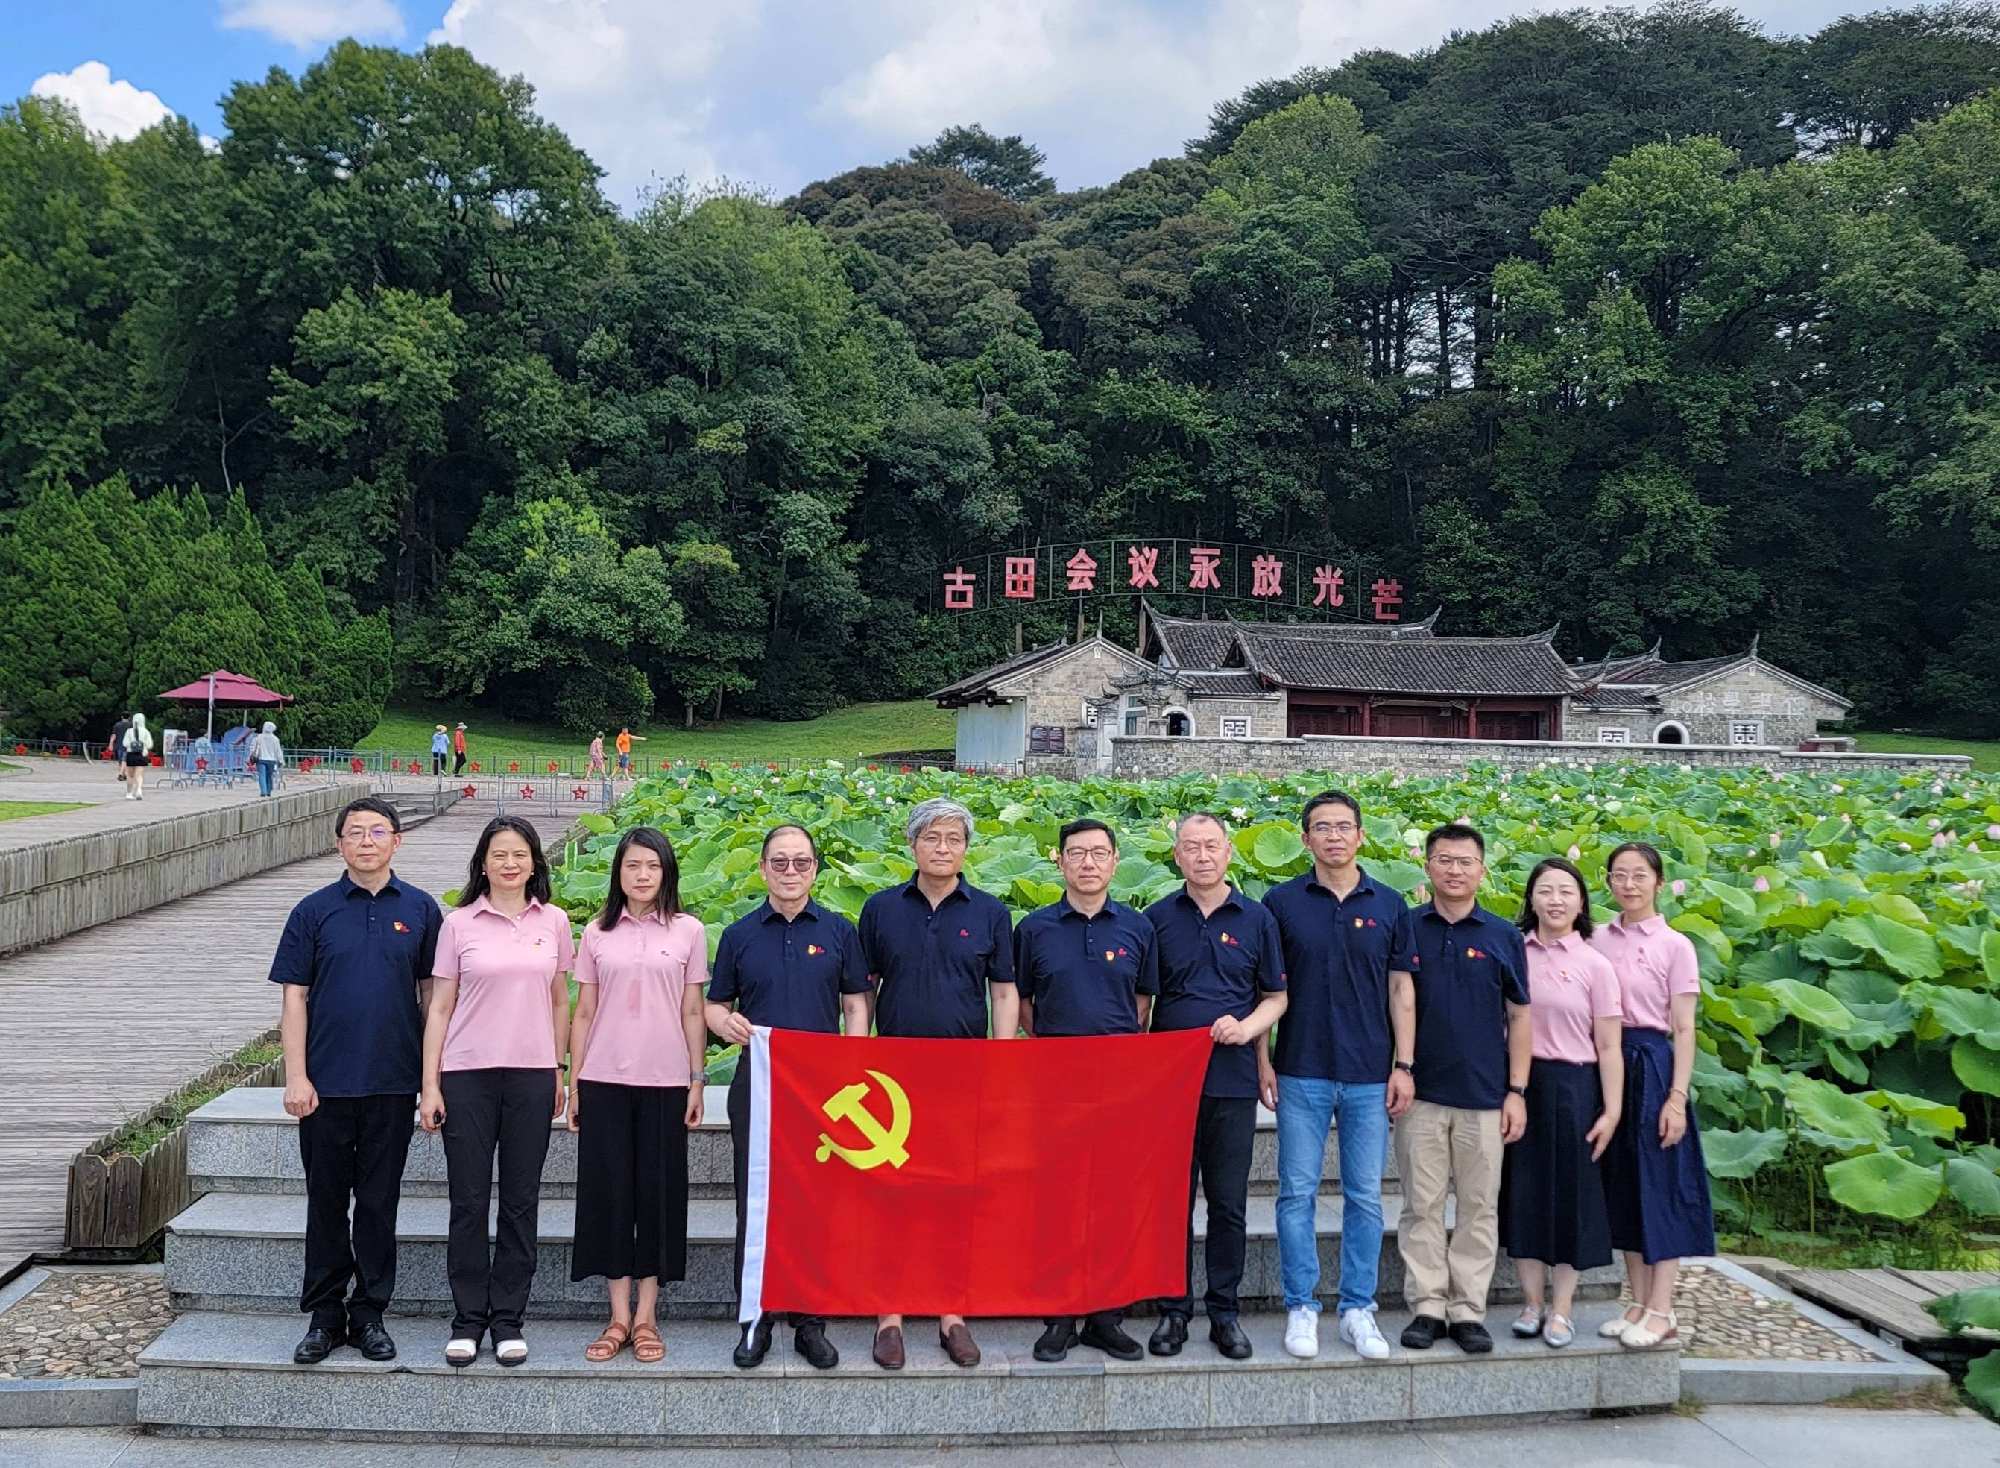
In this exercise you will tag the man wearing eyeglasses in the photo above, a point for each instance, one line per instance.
(1086, 965)
(1342, 1055)
(793, 965)
(941, 957)
(1473, 1052)
(353, 960)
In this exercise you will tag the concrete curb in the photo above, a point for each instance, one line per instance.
(63, 1402)
(1797, 1383)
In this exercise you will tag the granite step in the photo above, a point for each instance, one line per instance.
(246, 1252)
(242, 1142)
(231, 1374)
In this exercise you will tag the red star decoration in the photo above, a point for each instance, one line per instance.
(527, 792)
(469, 791)
(578, 792)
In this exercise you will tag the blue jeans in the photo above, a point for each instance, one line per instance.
(267, 775)
(1306, 1108)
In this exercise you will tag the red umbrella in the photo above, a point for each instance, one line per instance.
(230, 690)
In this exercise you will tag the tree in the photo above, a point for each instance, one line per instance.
(1006, 165)
(65, 650)
(1870, 79)
(724, 636)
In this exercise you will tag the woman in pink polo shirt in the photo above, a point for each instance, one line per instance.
(639, 1043)
(1655, 1182)
(1551, 1197)
(493, 1042)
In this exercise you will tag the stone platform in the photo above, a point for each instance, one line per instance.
(232, 1374)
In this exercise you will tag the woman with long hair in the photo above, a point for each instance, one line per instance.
(1551, 1195)
(137, 755)
(494, 1033)
(1655, 1182)
(638, 1044)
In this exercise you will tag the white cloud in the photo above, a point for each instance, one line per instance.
(310, 24)
(112, 109)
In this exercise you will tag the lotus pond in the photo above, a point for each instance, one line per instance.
(1848, 928)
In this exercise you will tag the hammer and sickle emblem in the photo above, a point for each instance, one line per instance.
(885, 1143)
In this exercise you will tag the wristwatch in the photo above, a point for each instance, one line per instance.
(1406, 1068)
(1521, 1091)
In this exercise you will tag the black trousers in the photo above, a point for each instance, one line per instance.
(458, 763)
(437, 764)
(504, 1110)
(631, 1182)
(739, 1147)
(353, 1148)
(1225, 1128)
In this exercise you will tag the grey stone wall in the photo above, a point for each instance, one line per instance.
(1786, 712)
(1146, 757)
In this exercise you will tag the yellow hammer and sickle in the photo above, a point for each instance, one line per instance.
(885, 1143)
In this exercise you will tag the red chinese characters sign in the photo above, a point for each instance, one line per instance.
(1300, 580)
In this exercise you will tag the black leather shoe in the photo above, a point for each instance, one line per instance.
(1471, 1337)
(1422, 1333)
(1110, 1340)
(372, 1341)
(1228, 1337)
(1168, 1336)
(810, 1341)
(1053, 1343)
(316, 1347)
(755, 1345)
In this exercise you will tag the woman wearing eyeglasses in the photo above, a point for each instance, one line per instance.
(792, 965)
(638, 1043)
(1655, 1182)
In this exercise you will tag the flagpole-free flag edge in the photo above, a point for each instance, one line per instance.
(757, 1195)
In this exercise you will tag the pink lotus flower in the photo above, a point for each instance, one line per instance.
(1775, 841)
(1680, 887)
(1993, 833)
(1972, 846)
(1940, 840)
(1839, 789)
(1576, 853)
(1935, 823)
(1762, 884)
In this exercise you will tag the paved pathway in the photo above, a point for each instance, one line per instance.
(106, 807)
(102, 1025)
(1721, 1437)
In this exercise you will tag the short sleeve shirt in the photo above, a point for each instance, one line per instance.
(789, 973)
(1571, 986)
(932, 966)
(360, 956)
(1467, 973)
(506, 969)
(1339, 952)
(1653, 963)
(1084, 973)
(1212, 966)
(641, 968)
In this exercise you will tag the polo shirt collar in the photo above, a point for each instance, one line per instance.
(1366, 884)
(959, 893)
(1066, 911)
(483, 905)
(1477, 915)
(768, 913)
(655, 916)
(1230, 898)
(1645, 929)
(348, 886)
(1568, 942)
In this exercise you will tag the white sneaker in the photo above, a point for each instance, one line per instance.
(1358, 1329)
(1302, 1333)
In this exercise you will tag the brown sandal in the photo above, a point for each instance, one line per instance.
(647, 1347)
(609, 1343)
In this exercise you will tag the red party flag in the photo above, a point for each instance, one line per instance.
(1008, 1178)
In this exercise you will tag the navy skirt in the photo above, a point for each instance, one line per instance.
(1657, 1196)
(1551, 1195)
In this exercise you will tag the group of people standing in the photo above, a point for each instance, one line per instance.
(1534, 1068)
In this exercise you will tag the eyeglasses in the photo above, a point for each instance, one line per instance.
(1455, 863)
(1332, 828)
(1090, 856)
(377, 834)
(791, 863)
(941, 838)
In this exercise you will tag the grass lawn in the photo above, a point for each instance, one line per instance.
(862, 729)
(1985, 752)
(20, 810)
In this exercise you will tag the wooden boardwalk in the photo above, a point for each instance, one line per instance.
(1891, 1302)
(98, 1027)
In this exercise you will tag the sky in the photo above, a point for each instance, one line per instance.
(774, 93)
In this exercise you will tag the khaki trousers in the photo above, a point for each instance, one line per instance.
(1441, 1150)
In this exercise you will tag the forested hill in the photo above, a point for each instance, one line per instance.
(1649, 324)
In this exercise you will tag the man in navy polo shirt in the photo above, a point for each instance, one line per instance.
(353, 959)
(1086, 965)
(1343, 1053)
(1221, 971)
(940, 955)
(1474, 1048)
(793, 965)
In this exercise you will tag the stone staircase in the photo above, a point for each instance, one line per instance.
(233, 1262)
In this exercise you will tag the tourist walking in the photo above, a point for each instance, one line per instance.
(351, 959)
(1473, 1049)
(638, 1047)
(439, 744)
(494, 1036)
(624, 745)
(1221, 970)
(458, 750)
(267, 752)
(596, 755)
(792, 965)
(941, 959)
(1343, 1056)
(137, 754)
(1086, 964)
(1552, 1213)
(1655, 1182)
(115, 750)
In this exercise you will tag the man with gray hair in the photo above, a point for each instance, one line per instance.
(940, 952)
